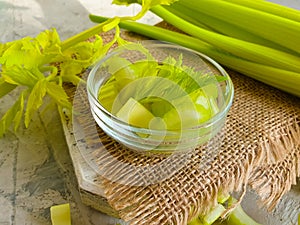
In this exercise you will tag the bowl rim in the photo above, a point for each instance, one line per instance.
(156, 43)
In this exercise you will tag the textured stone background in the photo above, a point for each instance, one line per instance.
(35, 168)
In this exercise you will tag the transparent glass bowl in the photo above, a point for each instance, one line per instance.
(159, 140)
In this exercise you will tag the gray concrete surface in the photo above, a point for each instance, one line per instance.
(35, 168)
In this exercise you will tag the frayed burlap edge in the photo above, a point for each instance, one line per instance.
(272, 180)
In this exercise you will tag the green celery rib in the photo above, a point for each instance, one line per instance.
(223, 27)
(189, 15)
(249, 51)
(83, 36)
(270, 7)
(282, 79)
(278, 29)
(285, 80)
(157, 33)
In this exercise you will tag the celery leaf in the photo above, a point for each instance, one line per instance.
(58, 94)
(18, 75)
(12, 115)
(19, 113)
(35, 99)
(5, 87)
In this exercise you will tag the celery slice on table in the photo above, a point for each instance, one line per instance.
(60, 214)
(210, 217)
(213, 215)
(222, 198)
(238, 216)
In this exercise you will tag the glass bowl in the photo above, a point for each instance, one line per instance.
(191, 92)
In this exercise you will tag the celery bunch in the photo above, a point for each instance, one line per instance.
(257, 38)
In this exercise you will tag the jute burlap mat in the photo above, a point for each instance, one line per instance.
(260, 150)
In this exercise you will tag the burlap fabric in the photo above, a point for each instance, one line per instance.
(260, 150)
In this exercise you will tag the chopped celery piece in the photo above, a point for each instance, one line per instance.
(123, 73)
(195, 221)
(223, 198)
(107, 94)
(213, 105)
(157, 123)
(176, 121)
(213, 215)
(158, 106)
(210, 217)
(188, 111)
(210, 90)
(186, 116)
(60, 214)
(134, 113)
(239, 216)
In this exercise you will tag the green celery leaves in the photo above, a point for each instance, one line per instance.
(40, 67)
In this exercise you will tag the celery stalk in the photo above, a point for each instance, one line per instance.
(258, 22)
(83, 36)
(210, 22)
(189, 15)
(246, 50)
(270, 7)
(285, 80)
